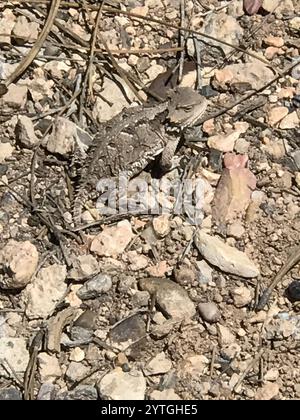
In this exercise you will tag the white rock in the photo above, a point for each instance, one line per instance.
(226, 257)
(271, 375)
(164, 395)
(295, 23)
(137, 261)
(56, 68)
(154, 70)
(21, 259)
(15, 352)
(39, 87)
(6, 150)
(280, 5)
(49, 368)
(113, 240)
(77, 355)
(224, 27)
(205, 272)
(25, 132)
(119, 385)
(194, 365)
(7, 22)
(290, 121)
(267, 392)
(225, 336)
(242, 296)
(161, 225)
(113, 95)
(46, 290)
(158, 365)
(84, 266)
(62, 140)
(24, 31)
(15, 97)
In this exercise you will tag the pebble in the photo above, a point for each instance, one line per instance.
(49, 367)
(223, 142)
(77, 355)
(113, 240)
(184, 275)
(161, 225)
(158, 365)
(230, 351)
(164, 395)
(274, 41)
(140, 298)
(294, 291)
(94, 287)
(84, 266)
(253, 73)
(225, 336)
(276, 114)
(81, 392)
(137, 261)
(25, 132)
(295, 23)
(170, 297)
(227, 258)
(15, 97)
(267, 392)
(236, 230)
(242, 296)
(11, 393)
(209, 312)
(119, 385)
(194, 366)
(65, 136)
(14, 351)
(271, 375)
(6, 151)
(76, 371)
(45, 291)
(224, 27)
(127, 331)
(204, 275)
(290, 121)
(20, 260)
(112, 100)
(24, 31)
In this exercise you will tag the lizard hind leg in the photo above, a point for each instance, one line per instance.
(168, 154)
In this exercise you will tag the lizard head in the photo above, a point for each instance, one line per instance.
(186, 107)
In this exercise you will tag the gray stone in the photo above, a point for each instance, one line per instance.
(127, 332)
(81, 392)
(10, 394)
(170, 297)
(209, 312)
(95, 287)
(76, 371)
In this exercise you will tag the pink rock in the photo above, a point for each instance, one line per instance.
(252, 6)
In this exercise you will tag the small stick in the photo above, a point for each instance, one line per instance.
(292, 260)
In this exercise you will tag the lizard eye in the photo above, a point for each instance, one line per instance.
(187, 107)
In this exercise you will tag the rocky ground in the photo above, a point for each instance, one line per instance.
(150, 307)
